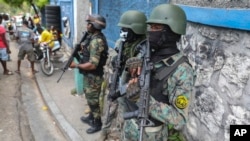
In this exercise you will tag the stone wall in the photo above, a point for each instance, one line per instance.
(221, 58)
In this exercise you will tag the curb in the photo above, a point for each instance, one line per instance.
(69, 132)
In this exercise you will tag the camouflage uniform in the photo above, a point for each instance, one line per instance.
(93, 82)
(132, 33)
(177, 86)
(170, 94)
(114, 126)
(93, 57)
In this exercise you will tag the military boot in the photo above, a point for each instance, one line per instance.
(97, 126)
(89, 119)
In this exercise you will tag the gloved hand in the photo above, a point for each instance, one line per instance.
(133, 65)
(133, 91)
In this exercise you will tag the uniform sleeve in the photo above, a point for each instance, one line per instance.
(179, 88)
(96, 47)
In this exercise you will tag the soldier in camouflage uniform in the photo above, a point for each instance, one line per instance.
(169, 95)
(132, 33)
(94, 52)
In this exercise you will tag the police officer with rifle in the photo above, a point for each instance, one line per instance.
(94, 55)
(133, 26)
(161, 82)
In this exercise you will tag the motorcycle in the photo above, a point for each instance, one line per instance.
(46, 62)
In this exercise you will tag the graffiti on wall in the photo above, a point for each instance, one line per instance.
(66, 27)
(67, 20)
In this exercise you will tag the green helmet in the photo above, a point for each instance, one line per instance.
(134, 20)
(171, 15)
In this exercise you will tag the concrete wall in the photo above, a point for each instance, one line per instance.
(221, 57)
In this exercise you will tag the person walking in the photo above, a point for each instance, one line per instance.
(5, 22)
(25, 38)
(133, 28)
(94, 56)
(4, 49)
(171, 83)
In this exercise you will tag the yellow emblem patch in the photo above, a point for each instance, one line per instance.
(181, 102)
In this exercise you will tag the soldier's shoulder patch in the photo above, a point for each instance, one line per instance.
(181, 102)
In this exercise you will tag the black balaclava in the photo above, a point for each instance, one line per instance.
(163, 43)
(162, 39)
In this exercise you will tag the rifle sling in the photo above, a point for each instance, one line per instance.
(167, 71)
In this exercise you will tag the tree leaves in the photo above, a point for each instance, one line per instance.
(18, 3)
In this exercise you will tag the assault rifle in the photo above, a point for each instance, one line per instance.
(113, 87)
(73, 54)
(144, 82)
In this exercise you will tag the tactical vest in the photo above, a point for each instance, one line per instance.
(86, 54)
(160, 77)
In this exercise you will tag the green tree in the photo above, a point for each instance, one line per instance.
(18, 3)
(4, 7)
(23, 4)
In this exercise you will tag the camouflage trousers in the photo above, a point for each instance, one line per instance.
(113, 126)
(92, 90)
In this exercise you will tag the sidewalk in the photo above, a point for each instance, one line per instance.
(64, 107)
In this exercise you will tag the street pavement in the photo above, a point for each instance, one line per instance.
(64, 107)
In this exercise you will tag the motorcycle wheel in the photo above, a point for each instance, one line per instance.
(46, 68)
